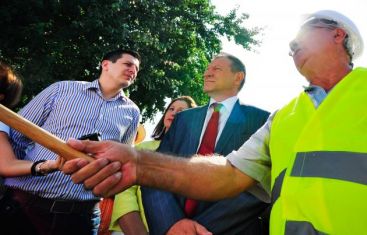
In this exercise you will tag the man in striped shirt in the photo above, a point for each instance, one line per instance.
(49, 203)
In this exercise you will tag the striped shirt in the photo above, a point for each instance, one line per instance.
(70, 109)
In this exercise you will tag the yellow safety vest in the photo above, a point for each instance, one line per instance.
(319, 162)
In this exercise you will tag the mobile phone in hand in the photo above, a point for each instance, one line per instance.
(94, 137)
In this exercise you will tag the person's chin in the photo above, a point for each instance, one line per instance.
(207, 89)
(125, 84)
(166, 126)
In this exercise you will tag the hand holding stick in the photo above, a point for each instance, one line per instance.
(39, 135)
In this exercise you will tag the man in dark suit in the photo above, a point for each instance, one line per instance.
(165, 211)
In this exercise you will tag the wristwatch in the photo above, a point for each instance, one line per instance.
(36, 168)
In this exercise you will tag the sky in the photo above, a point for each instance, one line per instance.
(272, 79)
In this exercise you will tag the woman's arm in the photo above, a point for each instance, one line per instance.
(127, 212)
(10, 166)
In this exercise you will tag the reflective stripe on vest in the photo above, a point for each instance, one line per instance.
(275, 193)
(300, 228)
(347, 166)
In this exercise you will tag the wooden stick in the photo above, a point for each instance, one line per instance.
(39, 135)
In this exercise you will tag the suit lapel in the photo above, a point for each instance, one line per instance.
(197, 123)
(234, 125)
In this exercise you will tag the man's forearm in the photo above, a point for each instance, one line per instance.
(204, 178)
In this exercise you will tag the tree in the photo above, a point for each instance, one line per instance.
(53, 40)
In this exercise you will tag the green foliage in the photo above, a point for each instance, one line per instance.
(53, 40)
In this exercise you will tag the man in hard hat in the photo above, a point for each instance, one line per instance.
(311, 154)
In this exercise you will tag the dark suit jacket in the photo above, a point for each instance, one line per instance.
(184, 135)
(183, 138)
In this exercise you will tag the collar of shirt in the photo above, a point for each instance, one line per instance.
(316, 93)
(227, 105)
(95, 86)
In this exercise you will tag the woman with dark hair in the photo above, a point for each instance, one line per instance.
(10, 86)
(129, 201)
(176, 105)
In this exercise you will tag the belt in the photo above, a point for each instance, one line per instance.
(53, 205)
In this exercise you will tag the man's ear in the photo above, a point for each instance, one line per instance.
(2, 96)
(104, 65)
(239, 77)
(340, 35)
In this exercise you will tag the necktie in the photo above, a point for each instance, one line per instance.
(207, 147)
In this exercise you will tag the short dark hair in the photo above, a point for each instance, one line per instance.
(11, 85)
(236, 65)
(113, 56)
(160, 129)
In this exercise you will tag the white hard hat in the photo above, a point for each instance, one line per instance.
(355, 42)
